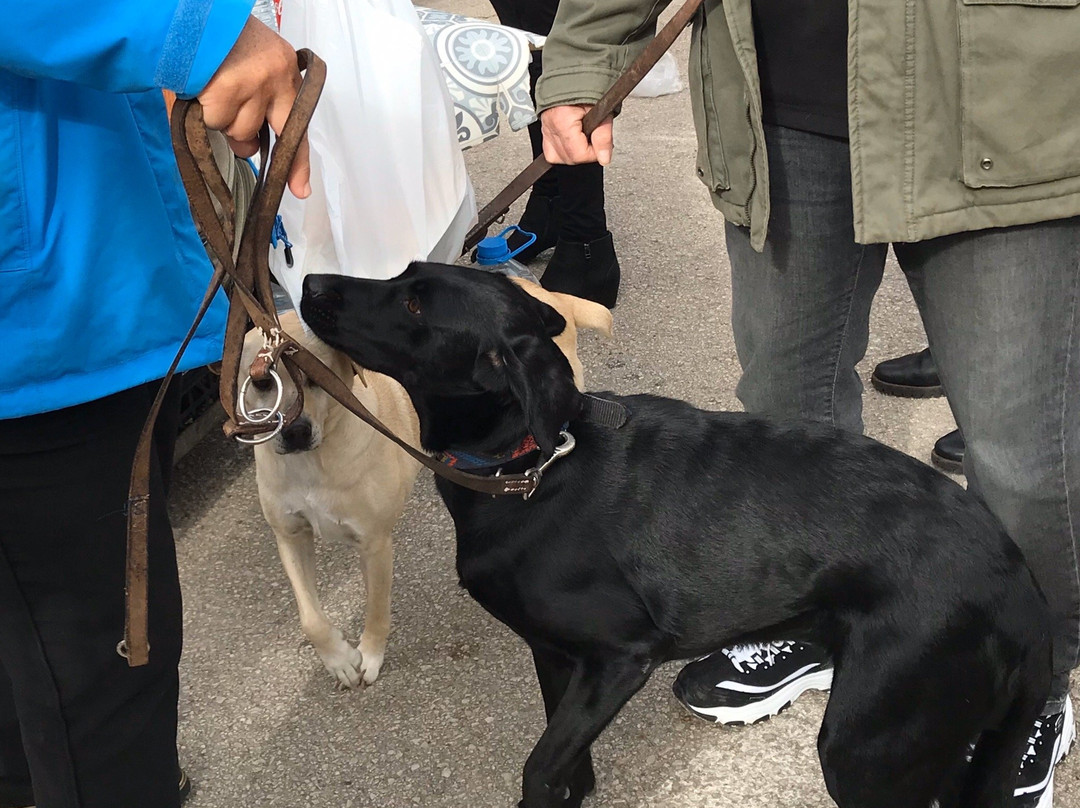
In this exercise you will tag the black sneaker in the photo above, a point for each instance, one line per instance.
(748, 683)
(1048, 743)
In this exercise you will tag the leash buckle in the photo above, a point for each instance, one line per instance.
(536, 474)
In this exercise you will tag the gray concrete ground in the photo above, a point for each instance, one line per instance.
(457, 708)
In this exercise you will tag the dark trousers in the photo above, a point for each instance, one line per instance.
(580, 188)
(75, 720)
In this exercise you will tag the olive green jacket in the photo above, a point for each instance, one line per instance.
(963, 114)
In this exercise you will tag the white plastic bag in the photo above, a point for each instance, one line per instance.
(387, 178)
(663, 79)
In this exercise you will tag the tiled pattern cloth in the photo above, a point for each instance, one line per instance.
(487, 72)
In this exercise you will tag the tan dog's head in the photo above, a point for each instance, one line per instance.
(306, 432)
(578, 313)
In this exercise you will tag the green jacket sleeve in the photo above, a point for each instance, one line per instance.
(590, 45)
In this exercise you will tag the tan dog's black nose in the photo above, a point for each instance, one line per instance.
(296, 437)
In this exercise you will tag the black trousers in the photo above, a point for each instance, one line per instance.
(75, 720)
(580, 188)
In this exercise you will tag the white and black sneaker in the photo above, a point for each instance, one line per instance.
(748, 683)
(1048, 743)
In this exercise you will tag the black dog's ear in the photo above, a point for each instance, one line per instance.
(542, 381)
(554, 323)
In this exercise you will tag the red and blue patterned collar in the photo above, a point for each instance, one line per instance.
(467, 461)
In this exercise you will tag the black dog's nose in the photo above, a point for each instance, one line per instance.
(322, 289)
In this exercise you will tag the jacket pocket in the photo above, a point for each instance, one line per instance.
(14, 247)
(1020, 91)
(711, 165)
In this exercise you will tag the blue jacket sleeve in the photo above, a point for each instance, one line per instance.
(122, 45)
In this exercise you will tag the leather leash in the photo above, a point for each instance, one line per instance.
(251, 297)
(607, 106)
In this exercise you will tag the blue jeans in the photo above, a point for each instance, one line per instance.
(1000, 312)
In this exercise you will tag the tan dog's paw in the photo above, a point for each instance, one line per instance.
(345, 663)
(373, 652)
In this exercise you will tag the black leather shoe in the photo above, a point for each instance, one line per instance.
(948, 454)
(911, 376)
(185, 786)
(589, 270)
(15, 794)
(542, 218)
(21, 795)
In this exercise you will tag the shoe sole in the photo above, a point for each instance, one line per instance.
(765, 708)
(906, 390)
(946, 463)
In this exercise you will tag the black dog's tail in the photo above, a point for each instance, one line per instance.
(991, 777)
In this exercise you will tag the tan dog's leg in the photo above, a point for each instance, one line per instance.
(296, 546)
(378, 576)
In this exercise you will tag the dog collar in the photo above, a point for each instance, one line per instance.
(468, 461)
(535, 473)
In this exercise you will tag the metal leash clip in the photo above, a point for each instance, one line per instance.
(263, 437)
(536, 474)
(261, 415)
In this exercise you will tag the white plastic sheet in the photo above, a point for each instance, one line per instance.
(663, 79)
(388, 181)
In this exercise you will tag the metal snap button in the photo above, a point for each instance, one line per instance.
(701, 172)
(987, 164)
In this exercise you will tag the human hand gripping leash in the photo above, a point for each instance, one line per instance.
(604, 109)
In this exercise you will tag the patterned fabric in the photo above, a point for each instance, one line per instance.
(487, 72)
(465, 461)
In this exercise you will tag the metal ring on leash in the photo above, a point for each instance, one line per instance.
(265, 436)
(251, 417)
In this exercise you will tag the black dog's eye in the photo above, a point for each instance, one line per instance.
(413, 305)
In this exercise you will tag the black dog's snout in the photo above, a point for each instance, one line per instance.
(322, 290)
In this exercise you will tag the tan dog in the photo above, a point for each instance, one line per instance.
(331, 475)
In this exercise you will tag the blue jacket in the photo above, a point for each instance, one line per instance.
(101, 269)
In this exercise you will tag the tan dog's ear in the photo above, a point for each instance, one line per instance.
(584, 313)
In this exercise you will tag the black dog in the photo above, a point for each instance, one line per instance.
(685, 531)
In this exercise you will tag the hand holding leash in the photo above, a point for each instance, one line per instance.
(257, 83)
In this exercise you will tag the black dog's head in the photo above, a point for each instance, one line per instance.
(467, 345)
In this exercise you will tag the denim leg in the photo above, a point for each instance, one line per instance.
(1000, 309)
(801, 308)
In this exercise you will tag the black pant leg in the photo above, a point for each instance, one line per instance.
(14, 770)
(96, 733)
(580, 188)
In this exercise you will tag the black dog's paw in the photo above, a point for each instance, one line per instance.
(571, 796)
(582, 784)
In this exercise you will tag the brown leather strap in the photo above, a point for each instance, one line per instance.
(201, 179)
(604, 108)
